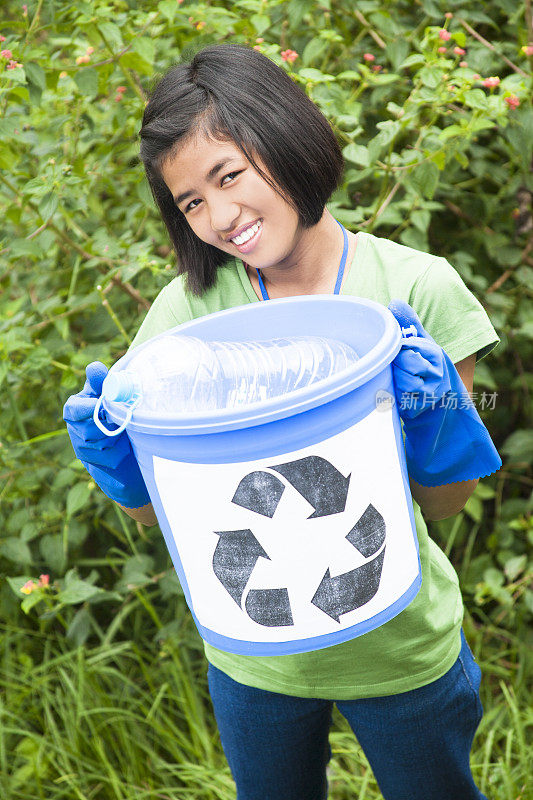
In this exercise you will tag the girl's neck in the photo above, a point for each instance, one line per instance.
(314, 269)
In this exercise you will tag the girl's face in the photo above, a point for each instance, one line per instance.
(219, 192)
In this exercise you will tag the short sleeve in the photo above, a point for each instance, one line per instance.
(450, 312)
(170, 308)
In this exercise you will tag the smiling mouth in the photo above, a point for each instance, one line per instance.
(245, 237)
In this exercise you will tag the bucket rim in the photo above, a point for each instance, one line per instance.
(263, 412)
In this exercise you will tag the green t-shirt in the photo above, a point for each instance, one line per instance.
(423, 641)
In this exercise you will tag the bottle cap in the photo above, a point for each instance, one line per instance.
(119, 386)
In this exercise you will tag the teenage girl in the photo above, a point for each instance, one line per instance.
(241, 165)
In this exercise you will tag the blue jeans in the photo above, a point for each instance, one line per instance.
(417, 743)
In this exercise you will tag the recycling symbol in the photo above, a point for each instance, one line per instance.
(326, 489)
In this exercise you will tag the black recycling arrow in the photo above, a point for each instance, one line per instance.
(322, 485)
(368, 533)
(270, 607)
(259, 492)
(234, 559)
(351, 590)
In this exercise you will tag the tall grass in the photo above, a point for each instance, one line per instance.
(132, 719)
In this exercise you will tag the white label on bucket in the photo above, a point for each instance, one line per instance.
(294, 546)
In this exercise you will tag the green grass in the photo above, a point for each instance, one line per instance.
(132, 719)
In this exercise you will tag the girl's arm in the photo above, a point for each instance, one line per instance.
(439, 502)
(144, 514)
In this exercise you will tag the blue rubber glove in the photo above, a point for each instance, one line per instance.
(445, 439)
(108, 460)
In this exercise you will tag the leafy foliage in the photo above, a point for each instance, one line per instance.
(436, 159)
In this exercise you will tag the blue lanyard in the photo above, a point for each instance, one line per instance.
(340, 273)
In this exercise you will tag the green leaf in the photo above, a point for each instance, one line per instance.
(87, 81)
(16, 550)
(136, 62)
(397, 51)
(474, 508)
(357, 154)
(17, 75)
(8, 158)
(48, 205)
(77, 591)
(80, 627)
(430, 77)
(35, 74)
(413, 61)
(30, 601)
(311, 74)
(476, 98)
(514, 566)
(313, 49)
(348, 75)
(51, 549)
(25, 247)
(421, 219)
(168, 8)
(145, 47)
(112, 34)
(77, 497)
(519, 446)
(425, 178)
(261, 22)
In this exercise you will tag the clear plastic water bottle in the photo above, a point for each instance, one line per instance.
(185, 374)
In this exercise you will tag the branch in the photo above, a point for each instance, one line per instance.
(376, 37)
(483, 41)
(382, 207)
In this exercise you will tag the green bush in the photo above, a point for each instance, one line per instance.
(436, 158)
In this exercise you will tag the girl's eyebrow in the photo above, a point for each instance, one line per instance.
(209, 177)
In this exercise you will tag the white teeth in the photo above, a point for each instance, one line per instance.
(248, 233)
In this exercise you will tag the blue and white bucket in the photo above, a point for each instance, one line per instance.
(289, 521)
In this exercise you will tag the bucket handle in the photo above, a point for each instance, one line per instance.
(99, 424)
(410, 331)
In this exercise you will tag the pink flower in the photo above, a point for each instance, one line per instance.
(491, 83)
(24, 10)
(6, 54)
(3, 38)
(83, 59)
(459, 51)
(369, 57)
(448, 15)
(476, 77)
(44, 580)
(63, 74)
(13, 65)
(377, 68)
(259, 40)
(121, 89)
(512, 101)
(444, 35)
(463, 63)
(90, 51)
(28, 587)
(527, 49)
(289, 55)
(441, 49)
(118, 98)
(257, 47)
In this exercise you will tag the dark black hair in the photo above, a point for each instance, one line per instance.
(231, 92)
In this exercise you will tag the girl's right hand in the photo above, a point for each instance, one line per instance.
(108, 460)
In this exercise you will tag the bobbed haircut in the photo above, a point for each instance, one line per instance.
(230, 92)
